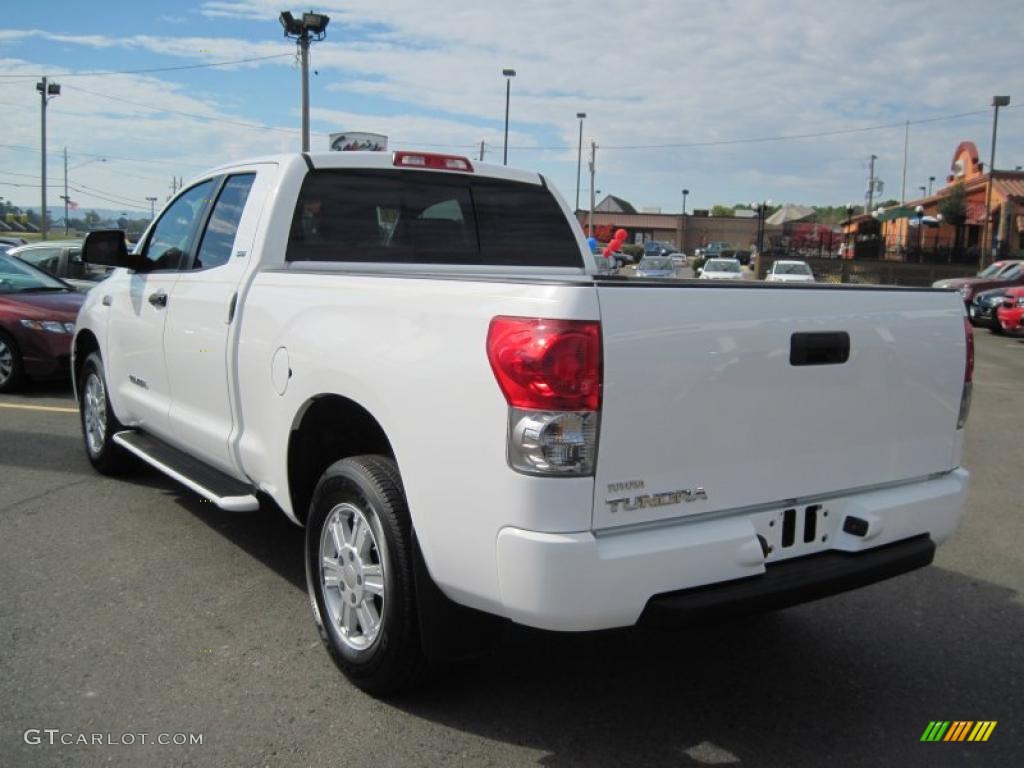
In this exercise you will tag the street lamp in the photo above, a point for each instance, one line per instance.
(579, 153)
(919, 214)
(931, 180)
(850, 208)
(988, 241)
(682, 222)
(922, 188)
(152, 208)
(47, 91)
(761, 209)
(509, 74)
(311, 27)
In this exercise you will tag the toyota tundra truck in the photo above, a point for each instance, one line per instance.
(415, 357)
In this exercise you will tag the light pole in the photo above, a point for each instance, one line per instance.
(986, 241)
(311, 27)
(509, 74)
(919, 214)
(152, 208)
(850, 207)
(579, 158)
(931, 180)
(65, 197)
(922, 188)
(47, 91)
(682, 222)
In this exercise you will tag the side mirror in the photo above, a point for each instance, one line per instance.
(108, 248)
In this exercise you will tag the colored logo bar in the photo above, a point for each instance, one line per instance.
(958, 730)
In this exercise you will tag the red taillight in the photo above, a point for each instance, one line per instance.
(969, 366)
(433, 161)
(552, 365)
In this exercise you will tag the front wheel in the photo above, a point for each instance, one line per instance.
(98, 421)
(12, 372)
(359, 573)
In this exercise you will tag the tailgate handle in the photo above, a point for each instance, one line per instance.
(831, 348)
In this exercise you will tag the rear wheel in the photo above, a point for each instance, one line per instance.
(99, 424)
(12, 372)
(359, 573)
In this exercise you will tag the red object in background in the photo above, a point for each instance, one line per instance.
(604, 232)
(621, 235)
(1011, 318)
(30, 295)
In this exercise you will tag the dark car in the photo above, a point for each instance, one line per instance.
(983, 307)
(63, 259)
(656, 248)
(970, 287)
(37, 323)
(1000, 274)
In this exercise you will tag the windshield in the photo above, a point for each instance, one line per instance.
(791, 268)
(658, 263)
(18, 277)
(992, 269)
(1012, 273)
(722, 266)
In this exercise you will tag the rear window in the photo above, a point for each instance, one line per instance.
(413, 217)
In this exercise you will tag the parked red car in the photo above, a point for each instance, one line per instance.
(1011, 314)
(37, 323)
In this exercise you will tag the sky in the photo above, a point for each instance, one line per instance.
(735, 100)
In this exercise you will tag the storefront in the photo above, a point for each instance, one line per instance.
(949, 225)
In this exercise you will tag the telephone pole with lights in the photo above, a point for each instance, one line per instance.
(309, 28)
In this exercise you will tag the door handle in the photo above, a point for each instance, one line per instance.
(819, 348)
(158, 299)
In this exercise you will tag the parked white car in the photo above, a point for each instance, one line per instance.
(721, 269)
(413, 356)
(790, 272)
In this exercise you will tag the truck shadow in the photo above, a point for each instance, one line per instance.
(851, 680)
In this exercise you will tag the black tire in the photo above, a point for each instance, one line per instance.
(393, 659)
(105, 455)
(997, 329)
(12, 379)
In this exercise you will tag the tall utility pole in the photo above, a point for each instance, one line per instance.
(65, 191)
(871, 187)
(481, 150)
(509, 74)
(986, 231)
(593, 193)
(152, 208)
(906, 147)
(931, 180)
(579, 158)
(46, 90)
(311, 27)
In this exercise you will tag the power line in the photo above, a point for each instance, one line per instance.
(108, 157)
(65, 75)
(215, 119)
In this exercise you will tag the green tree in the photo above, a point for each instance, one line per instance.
(954, 211)
(92, 219)
(722, 210)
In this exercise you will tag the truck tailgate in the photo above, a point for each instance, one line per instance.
(742, 391)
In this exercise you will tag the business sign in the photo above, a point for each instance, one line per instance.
(351, 141)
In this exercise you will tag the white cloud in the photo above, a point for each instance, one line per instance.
(659, 72)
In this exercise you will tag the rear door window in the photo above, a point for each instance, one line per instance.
(219, 236)
(415, 217)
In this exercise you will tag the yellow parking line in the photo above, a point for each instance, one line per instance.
(50, 408)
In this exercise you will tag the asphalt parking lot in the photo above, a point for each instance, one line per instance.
(132, 607)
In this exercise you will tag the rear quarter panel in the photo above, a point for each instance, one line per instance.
(411, 351)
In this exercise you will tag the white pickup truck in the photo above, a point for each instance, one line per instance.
(413, 356)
